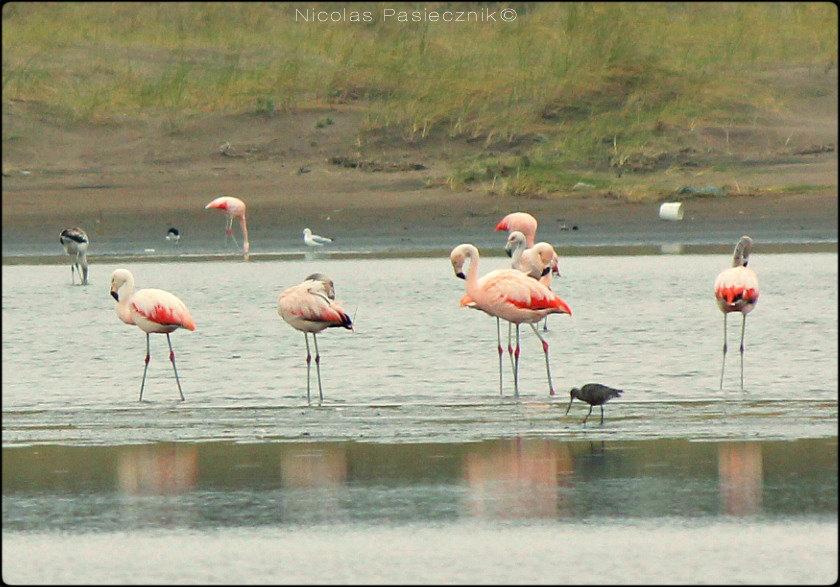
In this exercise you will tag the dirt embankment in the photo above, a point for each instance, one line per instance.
(313, 168)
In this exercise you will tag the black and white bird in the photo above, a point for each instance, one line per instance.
(173, 235)
(594, 394)
(75, 242)
(313, 240)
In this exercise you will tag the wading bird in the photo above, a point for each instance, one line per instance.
(510, 295)
(234, 208)
(539, 261)
(173, 235)
(736, 290)
(313, 240)
(310, 307)
(153, 311)
(75, 242)
(521, 221)
(594, 394)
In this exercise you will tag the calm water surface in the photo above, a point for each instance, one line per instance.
(414, 469)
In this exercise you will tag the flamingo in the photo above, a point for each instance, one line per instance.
(234, 208)
(539, 261)
(75, 242)
(313, 240)
(510, 295)
(736, 290)
(308, 307)
(521, 221)
(152, 311)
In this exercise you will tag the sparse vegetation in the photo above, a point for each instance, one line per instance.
(565, 87)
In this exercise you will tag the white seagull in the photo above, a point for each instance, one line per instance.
(313, 240)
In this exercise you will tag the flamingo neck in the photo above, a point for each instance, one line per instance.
(472, 271)
(516, 258)
(125, 292)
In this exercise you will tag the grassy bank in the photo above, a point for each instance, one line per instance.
(568, 86)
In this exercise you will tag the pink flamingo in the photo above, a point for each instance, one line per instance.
(151, 310)
(510, 295)
(736, 290)
(521, 221)
(539, 261)
(310, 306)
(234, 208)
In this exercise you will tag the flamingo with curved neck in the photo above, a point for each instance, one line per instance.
(154, 311)
(234, 208)
(510, 295)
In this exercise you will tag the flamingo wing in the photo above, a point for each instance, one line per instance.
(517, 289)
(736, 284)
(161, 307)
(310, 301)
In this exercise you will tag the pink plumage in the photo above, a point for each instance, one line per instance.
(736, 290)
(233, 208)
(154, 311)
(521, 221)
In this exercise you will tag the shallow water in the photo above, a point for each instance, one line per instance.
(514, 510)
(414, 469)
(418, 365)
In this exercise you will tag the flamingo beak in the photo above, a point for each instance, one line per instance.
(460, 275)
(545, 271)
(508, 252)
(115, 295)
(570, 406)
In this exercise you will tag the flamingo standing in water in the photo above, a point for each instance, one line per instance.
(736, 290)
(510, 295)
(310, 307)
(75, 242)
(521, 221)
(234, 208)
(539, 261)
(151, 310)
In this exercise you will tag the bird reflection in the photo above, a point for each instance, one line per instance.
(307, 466)
(157, 469)
(517, 478)
(741, 477)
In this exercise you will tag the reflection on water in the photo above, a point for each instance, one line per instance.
(157, 469)
(229, 484)
(517, 478)
(741, 482)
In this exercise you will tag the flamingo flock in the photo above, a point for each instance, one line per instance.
(519, 295)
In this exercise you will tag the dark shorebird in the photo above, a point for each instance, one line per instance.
(75, 242)
(594, 394)
(173, 235)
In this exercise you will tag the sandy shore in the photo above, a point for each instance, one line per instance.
(126, 184)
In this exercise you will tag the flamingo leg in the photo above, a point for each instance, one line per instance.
(545, 324)
(148, 356)
(308, 365)
(743, 326)
(501, 351)
(587, 415)
(318, 367)
(723, 366)
(547, 366)
(516, 365)
(510, 348)
(602, 415)
(172, 358)
(72, 272)
(230, 232)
